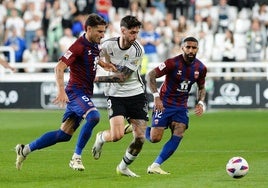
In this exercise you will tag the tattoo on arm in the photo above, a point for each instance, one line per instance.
(126, 72)
(151, 81)
(201, 93)
(119, 77)
(114, 78)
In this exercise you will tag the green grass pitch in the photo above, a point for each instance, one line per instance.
(199, 162)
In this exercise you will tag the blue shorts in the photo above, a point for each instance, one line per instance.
(164, 119)
(77, 107)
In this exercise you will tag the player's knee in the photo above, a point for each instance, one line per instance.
(155, 139)
(63, 137)
(117, 137)
(93, 117)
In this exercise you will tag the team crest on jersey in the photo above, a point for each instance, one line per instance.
(196, 74)
(68, 54)
(162, 66)
(156, 121)
(126, 57)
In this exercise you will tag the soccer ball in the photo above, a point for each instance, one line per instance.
(237, 167)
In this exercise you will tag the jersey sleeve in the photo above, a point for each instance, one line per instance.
(165, 67)
(138, 52)
(70, 55)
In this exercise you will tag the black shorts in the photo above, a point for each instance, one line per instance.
(134, 107)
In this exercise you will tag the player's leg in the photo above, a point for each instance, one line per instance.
(64, 134)
(115, 133)
(116, 111)
(92, 118)
(155, 132)
(133, 149)
(177, 130)
(168, 149)
(128, 128)
(137, 114)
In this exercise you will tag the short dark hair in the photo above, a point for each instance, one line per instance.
(94, 20)
(130, 22)
(191, 39)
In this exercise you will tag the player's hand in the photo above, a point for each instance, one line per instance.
(110, 67)
(107, 66)
(199, 110)
(158, 104)
(61, 99)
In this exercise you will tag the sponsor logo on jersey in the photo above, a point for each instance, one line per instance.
(126, 57)
(162, 66)
(68, 54)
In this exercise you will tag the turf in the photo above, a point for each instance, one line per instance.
(199, 162)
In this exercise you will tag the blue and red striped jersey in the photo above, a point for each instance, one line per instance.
(82, 58)
(179, 79)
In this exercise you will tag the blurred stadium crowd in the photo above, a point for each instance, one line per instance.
(228, 30)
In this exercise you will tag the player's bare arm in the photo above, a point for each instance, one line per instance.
(118, 77)
(151, 80)
(201, 93)
(200, 107)
(61, 98)
(107, 66)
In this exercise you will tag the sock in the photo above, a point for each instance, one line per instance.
(102, 137)
(92, 120)
(127, 160)
(155, 165)
(26, 150)
(168, 149)
(75, 155)
(148, 133)
(48, 139)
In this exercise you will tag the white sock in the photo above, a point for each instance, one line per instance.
(76, 156)
(26, 150)
(155, 165)
(128, 157)
(102, 137)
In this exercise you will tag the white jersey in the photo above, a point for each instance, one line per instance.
(131, 58)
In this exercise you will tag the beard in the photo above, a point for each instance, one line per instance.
(189, 58)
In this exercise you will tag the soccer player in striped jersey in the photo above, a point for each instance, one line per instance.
(126, 96)
(170, 104)
(81, 58)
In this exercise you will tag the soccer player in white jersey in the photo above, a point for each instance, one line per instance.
(125, 92)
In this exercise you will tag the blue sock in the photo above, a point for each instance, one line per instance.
(92, 120)
(48, 139)
(148, 133)
(168, 149)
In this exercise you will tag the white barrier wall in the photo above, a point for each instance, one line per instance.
(247, 87)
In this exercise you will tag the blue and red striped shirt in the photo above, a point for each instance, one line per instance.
(82, 58)
(179, 79)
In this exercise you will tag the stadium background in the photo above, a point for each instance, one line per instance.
(36, 89)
